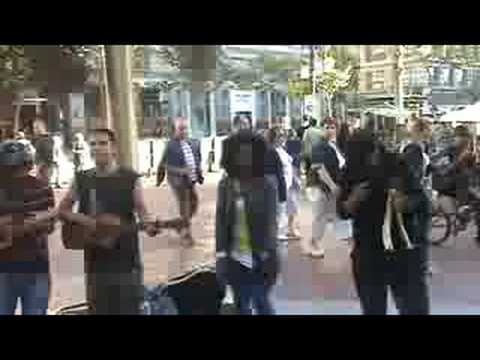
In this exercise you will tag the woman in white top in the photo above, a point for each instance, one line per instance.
(277, 138)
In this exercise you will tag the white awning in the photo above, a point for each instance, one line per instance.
(387, 112)
(469, 114)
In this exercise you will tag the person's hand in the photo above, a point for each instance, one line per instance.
(359, 194)
(151, 229)
(6, 232)
(188, 170)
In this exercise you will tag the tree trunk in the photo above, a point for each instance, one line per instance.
(329, 105)
(119, 75)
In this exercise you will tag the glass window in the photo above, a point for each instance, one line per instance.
(378, 80)
(261, 108)
(222, 112)
(199, 121)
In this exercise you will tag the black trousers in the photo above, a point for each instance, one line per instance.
(114, 293)
(403, 272)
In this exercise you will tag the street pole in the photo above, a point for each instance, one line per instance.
(119, 79)
(313, 79)
(105, 105)
(269, 108)
(399, 68)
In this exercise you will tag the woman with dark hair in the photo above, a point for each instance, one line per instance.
(377, 194)
(246, 225)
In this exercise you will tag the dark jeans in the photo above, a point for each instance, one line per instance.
(374, 272)
(31, 288)
(187, 199)
(250, 286)
(114, 293)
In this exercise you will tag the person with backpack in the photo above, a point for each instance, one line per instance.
(27, 218)
(377, 193)
(415, 155)
(246, 225)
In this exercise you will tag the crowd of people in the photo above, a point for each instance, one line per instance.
(349, 174)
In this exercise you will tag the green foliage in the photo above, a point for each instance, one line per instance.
(15, 67)
(299, 87)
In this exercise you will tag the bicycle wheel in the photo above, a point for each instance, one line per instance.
(441, 228)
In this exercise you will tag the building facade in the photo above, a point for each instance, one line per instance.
(165, 92)
(428, 85)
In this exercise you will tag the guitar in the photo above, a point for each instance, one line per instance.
(109, 228)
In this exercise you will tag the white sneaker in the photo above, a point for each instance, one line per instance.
(318, 253)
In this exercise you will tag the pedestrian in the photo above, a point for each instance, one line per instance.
(311, 137)
(26, 219)
(273, 163)
(276, 139)
(294, 149)
(246, 225)
(181, 162)
(414, 152)
(452, 171)
(376, 194)
(325, 174)
(110, 197)
(80, 152)
(45, 158)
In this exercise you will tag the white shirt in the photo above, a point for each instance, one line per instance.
(340, 157)
(189, 159)
(287, 161)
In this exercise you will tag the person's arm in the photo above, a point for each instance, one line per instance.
(282, 185)
(221, 223)
(146, 218)
(223, 160)
(65, 210)
(271, 215)
(199, 165)
(413, 157)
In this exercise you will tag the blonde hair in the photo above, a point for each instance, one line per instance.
(420, 126)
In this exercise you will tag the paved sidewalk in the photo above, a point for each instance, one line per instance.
(306, 286)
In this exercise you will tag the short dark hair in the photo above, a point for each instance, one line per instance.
(110, 133)
(313, 122)
(233, 145)
(237, 120)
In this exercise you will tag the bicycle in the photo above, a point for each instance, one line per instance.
(445, 225)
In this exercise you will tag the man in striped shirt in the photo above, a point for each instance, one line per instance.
(182, 163)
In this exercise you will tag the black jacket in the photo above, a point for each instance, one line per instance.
(324, 154)
(392, 171)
